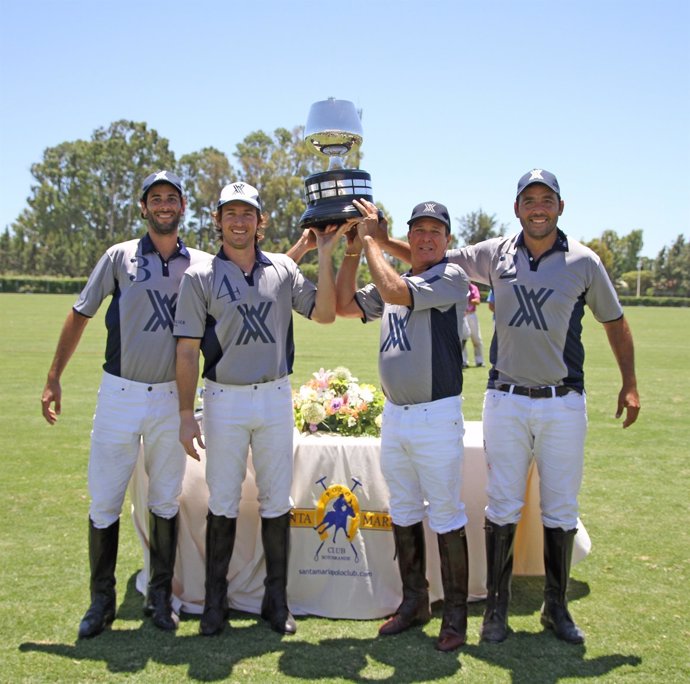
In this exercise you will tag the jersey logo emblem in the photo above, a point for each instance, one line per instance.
(225, 289)
(397, 335)
(163, 311)
(254, 327)
(530, 308)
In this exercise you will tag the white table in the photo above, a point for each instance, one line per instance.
(337, 480)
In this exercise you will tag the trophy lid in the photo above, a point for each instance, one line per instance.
(333, 127)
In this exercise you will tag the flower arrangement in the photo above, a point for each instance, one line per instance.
(333, 400)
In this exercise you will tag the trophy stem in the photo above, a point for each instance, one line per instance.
(335, 163)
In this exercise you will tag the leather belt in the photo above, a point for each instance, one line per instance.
(535, 392)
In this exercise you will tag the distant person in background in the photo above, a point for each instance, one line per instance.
(490, 302)
(137, 399)
(475, 334)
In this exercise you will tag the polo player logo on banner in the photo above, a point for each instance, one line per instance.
(337, 508)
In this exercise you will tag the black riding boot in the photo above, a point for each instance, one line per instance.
(275, 535)
(102, 560)
(558, 552)
(500, 540)
(414, 609)
(220, 540)
(452, 548)
(162, 548)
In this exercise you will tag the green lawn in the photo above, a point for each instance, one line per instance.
(630, 595)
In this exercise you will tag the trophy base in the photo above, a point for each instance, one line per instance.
(330, 194)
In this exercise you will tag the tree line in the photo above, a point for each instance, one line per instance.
(85, 198)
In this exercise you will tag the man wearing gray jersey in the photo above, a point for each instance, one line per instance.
(237, 309)
(420, 365)
(534, 407)
(137, 399)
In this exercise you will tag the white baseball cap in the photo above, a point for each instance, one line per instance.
(240, 192)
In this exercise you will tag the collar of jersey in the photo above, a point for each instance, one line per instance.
(260, 256)
(443, 261)
(561, 244)
(147, 246)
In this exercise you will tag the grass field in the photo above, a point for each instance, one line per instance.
(630, 595)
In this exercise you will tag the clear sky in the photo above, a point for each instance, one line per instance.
(459, 98)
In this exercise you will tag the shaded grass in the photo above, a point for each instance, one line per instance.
(630, 595)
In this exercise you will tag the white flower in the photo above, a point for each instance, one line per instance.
(313, 412)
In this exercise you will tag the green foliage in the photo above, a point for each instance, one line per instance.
(41, 285)
(86, 192)
(203, 176)
(602, 250)
(650, 300)
(477, 226)
(624, 250)
(277, 165)
(673, 268)
(86, 198)
(630, 280)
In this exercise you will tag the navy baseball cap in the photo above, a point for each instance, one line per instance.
(240, 192)
(161, 177)
(430, 210)
(538, 176)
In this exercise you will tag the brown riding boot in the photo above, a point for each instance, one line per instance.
(414, 609)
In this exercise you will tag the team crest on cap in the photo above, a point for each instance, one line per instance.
(161, 176)
(430, 206)
(535, 174)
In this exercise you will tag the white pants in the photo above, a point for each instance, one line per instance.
(421, 460)
(552, 432)
(235, 418)
(128, 412)
(475, 334)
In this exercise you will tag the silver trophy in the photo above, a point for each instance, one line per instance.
(334, 129)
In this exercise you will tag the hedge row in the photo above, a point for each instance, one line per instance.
(44, 285)
(41, 285)
(631, 300)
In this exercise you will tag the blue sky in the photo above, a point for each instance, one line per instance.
(459, 98)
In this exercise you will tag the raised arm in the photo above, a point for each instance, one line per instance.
(391, 286)
(326, 240)
(187, 376)
(346, 280)
(72, 331)
(621, 341)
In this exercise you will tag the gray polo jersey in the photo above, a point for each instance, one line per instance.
(539, 307)
(139, 319)
(244, 322)
(420, 358)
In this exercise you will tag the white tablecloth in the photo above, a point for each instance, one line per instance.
(346, 567)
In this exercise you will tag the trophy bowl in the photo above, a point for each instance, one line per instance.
(334, 129)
